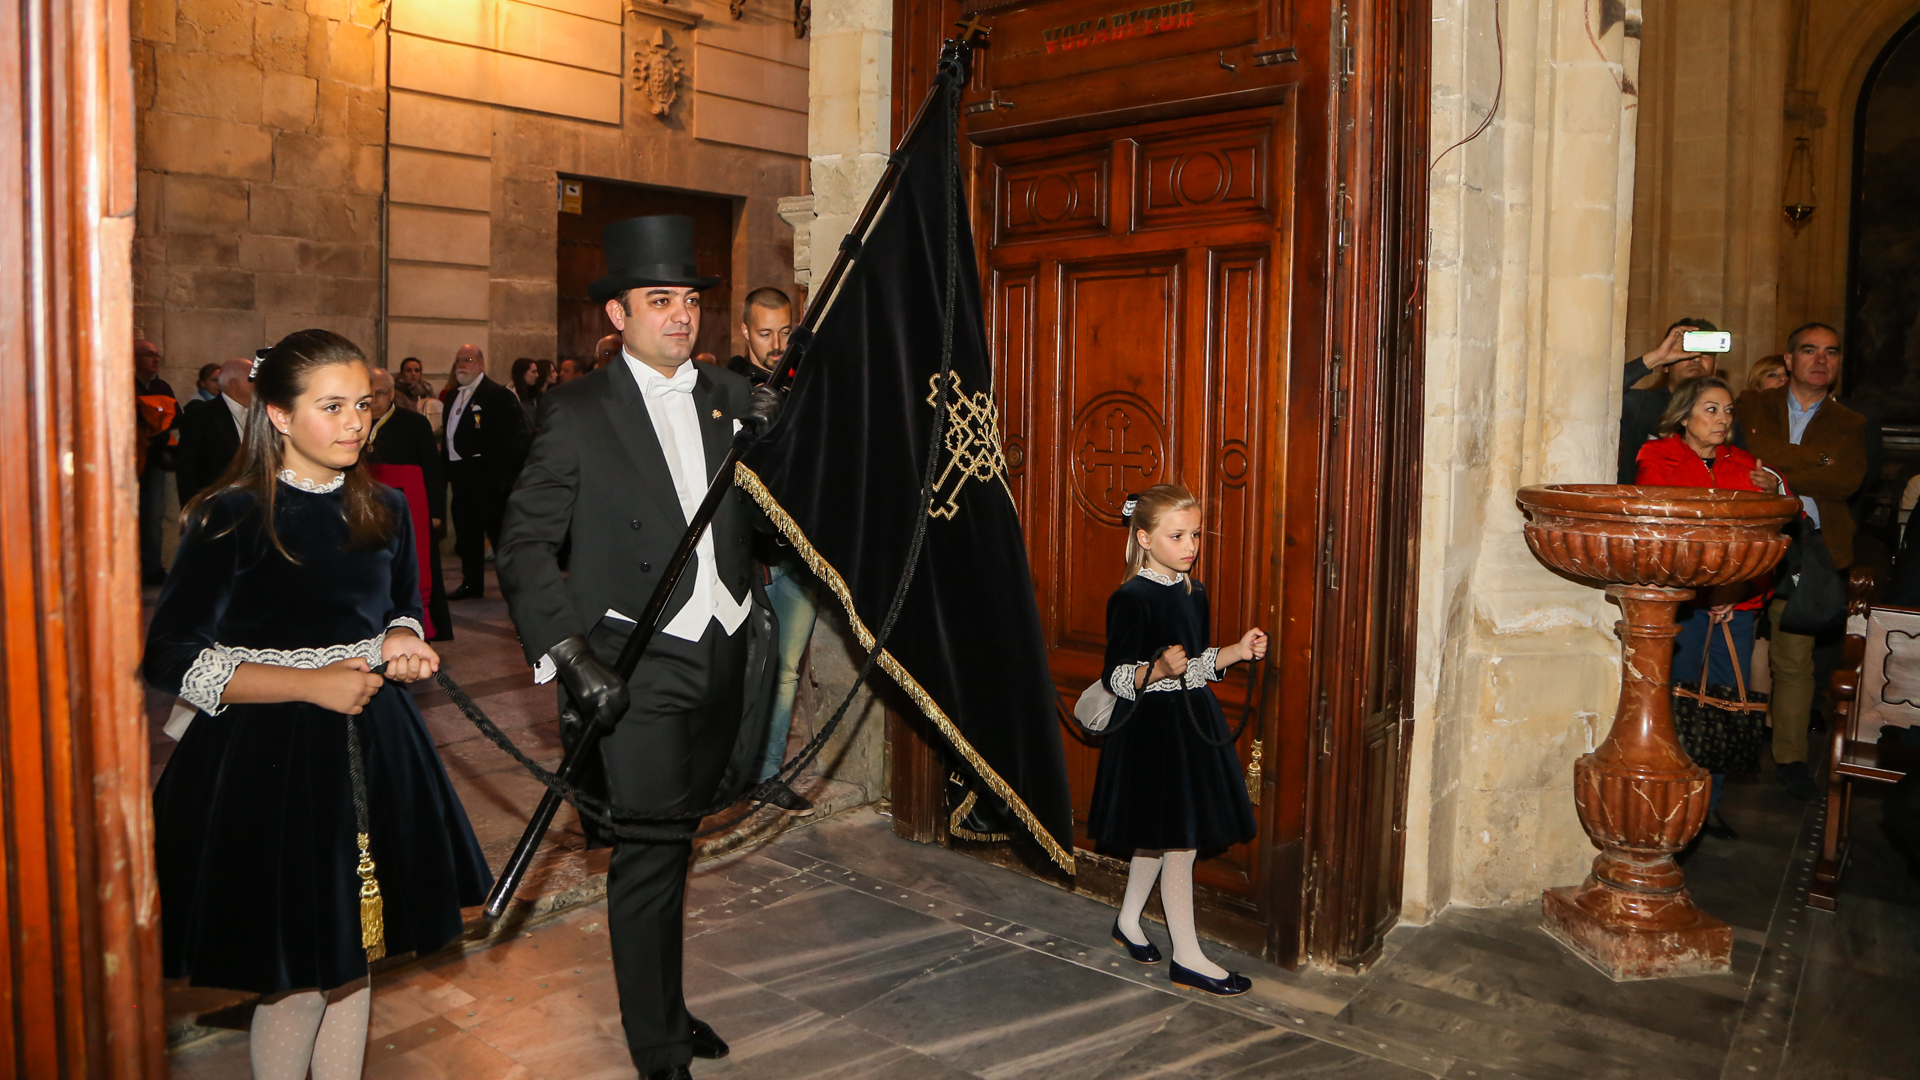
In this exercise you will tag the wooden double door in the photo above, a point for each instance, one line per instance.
(1130, 274)
(1199, 227)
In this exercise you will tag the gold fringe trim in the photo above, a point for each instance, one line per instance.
(960, 814)
(373, 922)
(751, 483)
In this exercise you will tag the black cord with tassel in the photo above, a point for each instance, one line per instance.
(373, 924)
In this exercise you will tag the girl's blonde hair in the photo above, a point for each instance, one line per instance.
(1764, 367)
(1148, 508)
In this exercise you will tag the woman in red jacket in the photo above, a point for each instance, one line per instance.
(1694, 452)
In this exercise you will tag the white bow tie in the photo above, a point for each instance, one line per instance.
(681, 382)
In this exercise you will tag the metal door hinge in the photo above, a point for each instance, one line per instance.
(1345, 52)
(1326, 554)
(1339, 394)
(1326, 726)
(1342, 221)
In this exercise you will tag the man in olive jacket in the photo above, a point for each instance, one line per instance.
(1819, 446)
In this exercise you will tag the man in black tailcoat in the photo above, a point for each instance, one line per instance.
(620, 461)
(210, 431)
(486, 442)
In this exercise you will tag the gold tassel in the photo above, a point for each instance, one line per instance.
(1253, 775)
(373, 921)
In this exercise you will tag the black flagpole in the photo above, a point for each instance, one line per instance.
(955, 58)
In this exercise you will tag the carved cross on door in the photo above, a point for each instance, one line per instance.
(1111, 444)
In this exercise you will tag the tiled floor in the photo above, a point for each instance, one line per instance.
(837, 950)
(840, 951)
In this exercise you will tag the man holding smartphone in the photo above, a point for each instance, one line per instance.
(1641, 406)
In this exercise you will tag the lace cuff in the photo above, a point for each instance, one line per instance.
(410, 623)
(1120, 681)
(207, 679)
(1204, 669)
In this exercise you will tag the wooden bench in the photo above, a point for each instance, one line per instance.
(1876, 688)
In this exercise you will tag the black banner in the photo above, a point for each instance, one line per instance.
(842, 471)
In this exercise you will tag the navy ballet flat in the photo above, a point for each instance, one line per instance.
(1233, 985)
(1142, 954)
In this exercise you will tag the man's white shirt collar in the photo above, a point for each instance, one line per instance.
(239, 412)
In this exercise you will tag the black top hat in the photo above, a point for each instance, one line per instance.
(654, 250)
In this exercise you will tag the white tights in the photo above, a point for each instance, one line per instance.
(1174, 870)
(304, 1029)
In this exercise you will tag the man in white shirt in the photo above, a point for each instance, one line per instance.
(621, 459)
(485, 444)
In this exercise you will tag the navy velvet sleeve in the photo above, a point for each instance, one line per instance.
(1126, 641)
(193, 599)
(406, 568)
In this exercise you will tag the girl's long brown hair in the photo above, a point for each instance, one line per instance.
(1151, 505)
(281, 376)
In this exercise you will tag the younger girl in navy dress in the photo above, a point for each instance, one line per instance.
(1163, 790)
(296, 575)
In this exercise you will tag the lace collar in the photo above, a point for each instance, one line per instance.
(1153, 575)
(288, 478)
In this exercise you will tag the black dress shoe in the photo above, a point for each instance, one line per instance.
(671, 1072)
(1141, 954)
(467, 592)
(1718, 828)
(1233, 985)
(786, 800)
(1798, 781)
(706, 1042)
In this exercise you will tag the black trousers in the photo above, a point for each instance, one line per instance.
(153, 514)
(668, 755)
(479, 506)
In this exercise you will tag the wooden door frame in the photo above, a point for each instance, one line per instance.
(80, 911)
(1350, 384)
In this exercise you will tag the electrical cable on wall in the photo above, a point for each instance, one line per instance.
(1499, 88)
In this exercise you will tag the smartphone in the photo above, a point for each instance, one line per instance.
(1716, 341)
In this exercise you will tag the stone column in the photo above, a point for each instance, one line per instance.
(1516, 670)
(849, 128)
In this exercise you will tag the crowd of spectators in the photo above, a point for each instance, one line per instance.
(456, 453)
(1787, 429)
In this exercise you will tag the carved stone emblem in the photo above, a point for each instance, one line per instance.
(657, 72)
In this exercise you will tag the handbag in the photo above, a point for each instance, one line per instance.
(1721, 727)
(1816, 595)
(1095, 707)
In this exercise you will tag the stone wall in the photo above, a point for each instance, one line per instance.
(1726, 89)
(493, 100)
(1517, 671)
(261, 139)
(264, 137)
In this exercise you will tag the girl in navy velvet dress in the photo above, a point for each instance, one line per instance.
(296, 575)
(1164, 789)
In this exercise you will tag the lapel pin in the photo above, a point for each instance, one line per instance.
(716, 414)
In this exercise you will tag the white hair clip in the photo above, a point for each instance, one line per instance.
(259, 355)
(1133, 502)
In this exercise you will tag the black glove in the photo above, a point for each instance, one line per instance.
(599, 694)
(763, 406)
